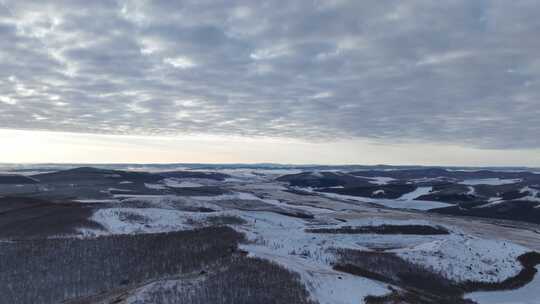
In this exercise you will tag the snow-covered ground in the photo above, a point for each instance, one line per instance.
(401, 203)
(141, 220)
(533, 194)
(103, 201)
(380, 180)
(283, 239)
(415, 194)
(489, 181)
(461, 257)
(155, 186)
(242, 174)
(178, 183)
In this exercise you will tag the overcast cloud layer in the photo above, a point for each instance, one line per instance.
(465, 72)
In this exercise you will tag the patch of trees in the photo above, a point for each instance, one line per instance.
(384, 229)
(243, 281)
(220, 220)
(196, 174)
(391, 191)
(419, 285)
(16, 180)
(526, 211)
(26, 217)
(389, 268)
(528, 261)
(54, 270)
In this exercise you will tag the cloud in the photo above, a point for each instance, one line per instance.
(460, 72)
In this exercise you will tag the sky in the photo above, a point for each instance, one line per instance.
(334, 81)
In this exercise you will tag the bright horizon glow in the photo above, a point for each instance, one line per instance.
(23, 146)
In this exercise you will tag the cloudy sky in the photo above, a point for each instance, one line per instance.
(428, 82)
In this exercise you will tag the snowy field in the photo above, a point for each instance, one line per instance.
(283, 239)
(404, 202)
(490, 181)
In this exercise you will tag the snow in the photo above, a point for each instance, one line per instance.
(230, 196)
(104, 201)
(389, 203)
(461, 257)
(177, 183)
(242, 174)
(143, 220)
(317, 174)
(119, 190)
(430, 179)
(493, 201)
(282, 239)
(155, 186)
(416, 193)
(490, 181)
(324, 284)
(139, 196)
(380, 180)
(525, 295)
(534, 194)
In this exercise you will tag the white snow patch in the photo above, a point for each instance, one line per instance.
(390, 203)
(140, 196)
(316, 174)
(415, 194)
(534, 194)
(140, 220)
(461, 257)
(230, 196)
(282, 239)
(380, 180)
(119, 190)
(96, 201)
(155, 186)
(378, 192)
(177, 183)
(430, 179)
(324, 284)
(493, 201)
(490, 181)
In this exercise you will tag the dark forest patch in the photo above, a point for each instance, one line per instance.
(384, 229)
(388, 191)
(16, 180)
(54, 270)
(323, 179)
(419, 285)
(25, 218)
(220, 220)
(199, 191)
(516, 210)
(195, 174)
(243, 281)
